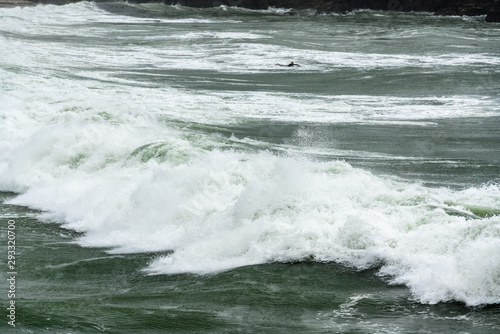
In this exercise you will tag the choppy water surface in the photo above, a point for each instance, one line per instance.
(165, 175)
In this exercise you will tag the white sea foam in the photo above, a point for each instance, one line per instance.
(221, 209)
(96, 152)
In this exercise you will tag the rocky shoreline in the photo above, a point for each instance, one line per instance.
(490, 8)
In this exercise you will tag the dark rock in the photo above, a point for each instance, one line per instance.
(445, 7)
(493, 14)
(468, 7)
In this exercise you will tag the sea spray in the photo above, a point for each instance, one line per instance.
(224, 209)
(161, 137)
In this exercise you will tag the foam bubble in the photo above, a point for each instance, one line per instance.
(218, 210)
(103, 154)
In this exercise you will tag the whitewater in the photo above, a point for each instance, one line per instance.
(165, 130)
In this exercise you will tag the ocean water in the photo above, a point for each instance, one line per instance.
(165, 176)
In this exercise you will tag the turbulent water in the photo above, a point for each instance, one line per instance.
(165, 175)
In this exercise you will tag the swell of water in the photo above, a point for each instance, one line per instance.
(123, 127)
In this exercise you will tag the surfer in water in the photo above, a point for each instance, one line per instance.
(292, 64)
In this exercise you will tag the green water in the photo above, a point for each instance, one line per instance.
(64, 288)
(165, 176)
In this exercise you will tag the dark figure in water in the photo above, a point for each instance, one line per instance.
(289, 65)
